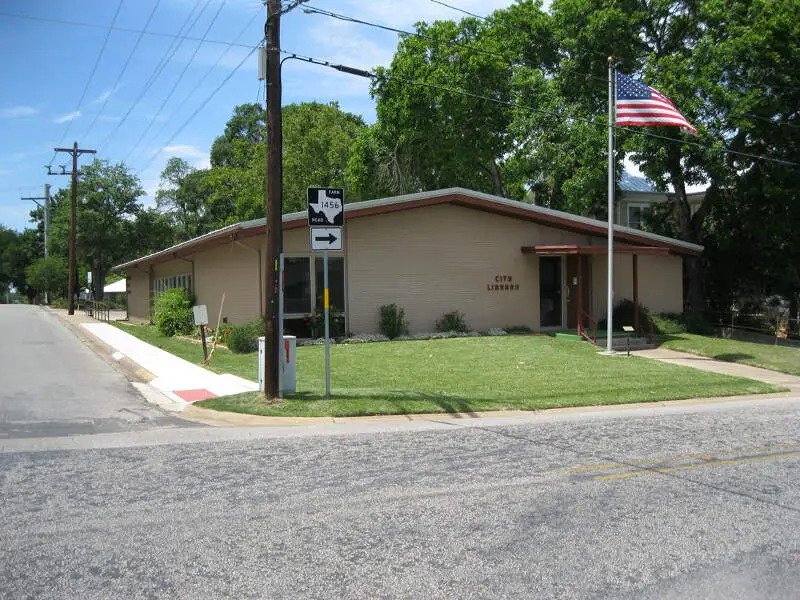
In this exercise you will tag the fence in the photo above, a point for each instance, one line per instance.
(759, 327)
(99, 310)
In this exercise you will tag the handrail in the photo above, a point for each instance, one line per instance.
(99, 310)
(591, 333)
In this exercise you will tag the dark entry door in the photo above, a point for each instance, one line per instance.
(550, 291)
(574, 287)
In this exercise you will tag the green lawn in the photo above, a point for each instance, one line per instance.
(777, 358)
(460, 375)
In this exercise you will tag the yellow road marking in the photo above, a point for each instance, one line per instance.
(713, 463)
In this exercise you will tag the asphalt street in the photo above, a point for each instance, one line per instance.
(53, 384)
(667, 502)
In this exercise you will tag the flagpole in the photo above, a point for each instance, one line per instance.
(611, 186)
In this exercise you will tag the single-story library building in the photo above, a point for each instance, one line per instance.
(500, 262)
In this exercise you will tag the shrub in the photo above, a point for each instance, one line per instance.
(243, 339)
(697, 323)
(392, 321)
(452, 321)
(316, 323)
(172, 312)
(517, 329)
(623, 315)
(667, 324)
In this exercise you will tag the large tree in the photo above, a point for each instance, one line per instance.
(318, 141)
(107, 209)
(443, 110)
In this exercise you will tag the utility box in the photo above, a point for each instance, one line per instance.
(288, 364)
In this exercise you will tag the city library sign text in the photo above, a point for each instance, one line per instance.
(502, 283)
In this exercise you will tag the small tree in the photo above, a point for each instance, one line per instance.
(173, 312)
(47, 275)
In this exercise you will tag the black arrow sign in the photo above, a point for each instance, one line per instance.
(330, 238)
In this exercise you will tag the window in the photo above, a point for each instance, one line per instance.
(335, 281)
(296, 285)
(300, 288)
(638, 215)
(162, 284)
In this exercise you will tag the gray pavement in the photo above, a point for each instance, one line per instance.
(684, 501)
(719, 366)
(54, 384)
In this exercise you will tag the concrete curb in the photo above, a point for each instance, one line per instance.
(213, 417)
(131, 370)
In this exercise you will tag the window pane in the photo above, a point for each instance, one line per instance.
(335, 281)
(297, 285)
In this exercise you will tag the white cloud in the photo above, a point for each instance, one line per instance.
(106, 95)
(16, 112)
(184, 150)
(68, 117)
(404, 13)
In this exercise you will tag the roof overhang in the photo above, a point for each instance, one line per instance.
(457, 196)
(577, 249)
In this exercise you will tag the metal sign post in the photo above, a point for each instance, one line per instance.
(325, 221)
(325, 299)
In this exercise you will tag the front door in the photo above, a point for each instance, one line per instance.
(550, 291)
(576, 285)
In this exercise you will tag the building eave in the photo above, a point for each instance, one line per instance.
(457, 196)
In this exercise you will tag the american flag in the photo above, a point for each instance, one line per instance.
(640, 104)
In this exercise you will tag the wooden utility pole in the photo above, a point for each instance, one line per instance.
(45, 219)
(46, 208)
(73, 275)
(273, 200)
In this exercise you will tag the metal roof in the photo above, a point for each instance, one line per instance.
(512, 208)
(632, 183)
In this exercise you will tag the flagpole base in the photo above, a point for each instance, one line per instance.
(608, 353)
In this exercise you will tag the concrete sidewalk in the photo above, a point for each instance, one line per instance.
(177, 380)
(718, 366)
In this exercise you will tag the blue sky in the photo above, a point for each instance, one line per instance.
(50, 98)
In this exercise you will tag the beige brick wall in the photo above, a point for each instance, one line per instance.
(660, 282)
(231, 269)
(138, 285)
(438, 259)
(429, 261)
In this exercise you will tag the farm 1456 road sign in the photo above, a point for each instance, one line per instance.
(326, 207)
(326, 238)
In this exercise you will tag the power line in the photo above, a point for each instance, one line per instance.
(199, 108)
(511, 103)
(91, 76)
(157, 71)
(211, 70)
(177, 82)
(333, 15)
(128, 60)
(125, 29)
(588, 75)
(159, 68)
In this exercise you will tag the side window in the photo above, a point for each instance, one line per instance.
(297, 285)
(638, 215)
(335, 281)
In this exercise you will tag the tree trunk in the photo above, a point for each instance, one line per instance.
(99, 278)
(497, 181)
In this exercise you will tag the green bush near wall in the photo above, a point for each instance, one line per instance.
(392, 322)
(243, 339)
(172, 313)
